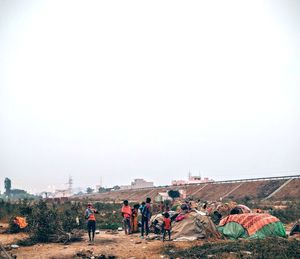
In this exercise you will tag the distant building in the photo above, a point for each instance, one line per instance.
(137, 184)
(192, 180)
(125, 187)
(61, 193)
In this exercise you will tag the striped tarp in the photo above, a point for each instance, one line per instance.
(252, 222)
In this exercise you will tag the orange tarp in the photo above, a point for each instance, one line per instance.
(21, 222)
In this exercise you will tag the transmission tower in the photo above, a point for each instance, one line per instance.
(70, 185)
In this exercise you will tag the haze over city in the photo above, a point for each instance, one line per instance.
(99, 89)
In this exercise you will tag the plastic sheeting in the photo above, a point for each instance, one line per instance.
(233, 230)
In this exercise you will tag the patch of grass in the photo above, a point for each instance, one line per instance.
(260, 248)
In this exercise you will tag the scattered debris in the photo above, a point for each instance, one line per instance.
(65, 237)
(89, 254)
(2, 249)
(246, 252)
(112, 232)
(84, 253)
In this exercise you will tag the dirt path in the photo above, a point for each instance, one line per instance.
(117, 245)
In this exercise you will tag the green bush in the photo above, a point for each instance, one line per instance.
(44, 222)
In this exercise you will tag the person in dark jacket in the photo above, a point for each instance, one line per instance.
(146, 215)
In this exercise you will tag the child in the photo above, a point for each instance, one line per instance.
(126, 214)
(167, 226)
(146, 215)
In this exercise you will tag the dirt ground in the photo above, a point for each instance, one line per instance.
(107, 244)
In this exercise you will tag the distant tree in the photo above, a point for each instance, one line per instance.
(116, 187)
(19, 194)
(89, 190)
(174, 194)
(7, 186)
(101, 190)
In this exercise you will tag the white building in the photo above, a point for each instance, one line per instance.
(137, 184)
(192, 180)
(141, 183)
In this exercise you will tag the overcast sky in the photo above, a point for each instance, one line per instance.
(149, 89)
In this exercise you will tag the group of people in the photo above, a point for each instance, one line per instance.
(130, 218)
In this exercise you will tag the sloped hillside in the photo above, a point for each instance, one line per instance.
(212, 191)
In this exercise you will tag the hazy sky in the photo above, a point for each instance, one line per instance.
(151, 89)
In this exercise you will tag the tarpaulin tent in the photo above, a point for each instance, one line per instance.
(251, 225)
(194, 226)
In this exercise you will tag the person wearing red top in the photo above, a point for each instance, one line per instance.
(167, 226)
(126, 213)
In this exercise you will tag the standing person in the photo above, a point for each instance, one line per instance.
(134, 218)
(146, 215)
(167, 226)
(126, 213)
(91, 221)
(141, 208)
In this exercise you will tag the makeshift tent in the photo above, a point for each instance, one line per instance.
(194, 226)
(251, 225)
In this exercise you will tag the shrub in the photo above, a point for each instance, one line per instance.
(44, 222)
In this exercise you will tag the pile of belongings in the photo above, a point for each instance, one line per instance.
(156, 221)
(20, 222)
(225, 208)
(251, 225)
(17, 224)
